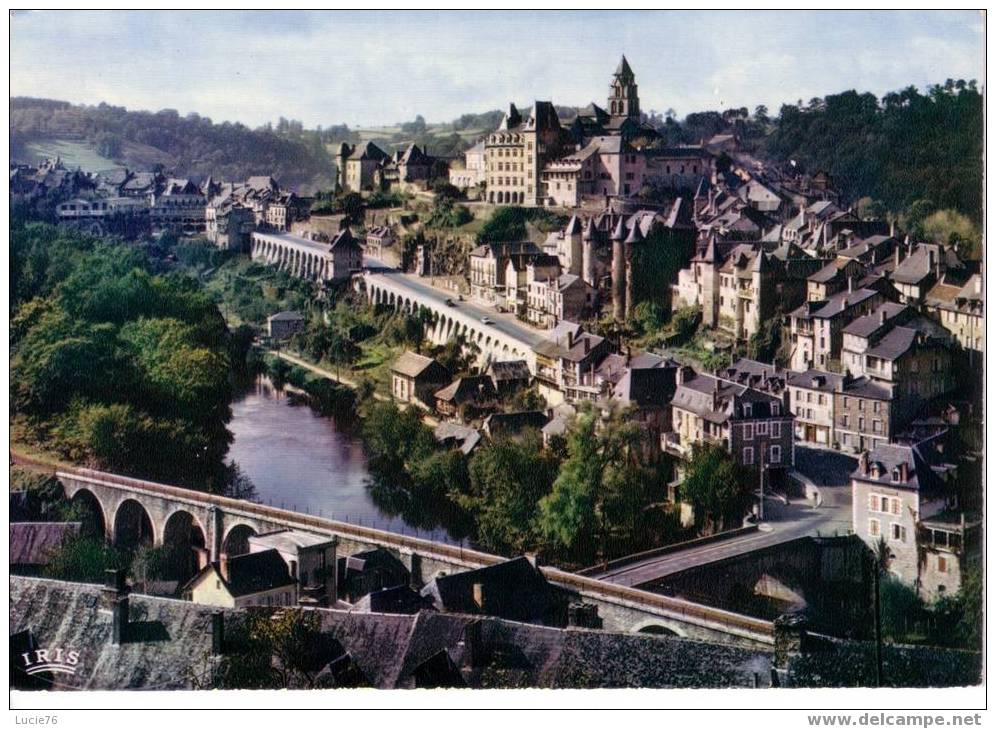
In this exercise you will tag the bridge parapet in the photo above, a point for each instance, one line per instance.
(622, 608)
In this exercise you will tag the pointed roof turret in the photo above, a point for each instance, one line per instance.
(710, 252)
(589, 230)
(573, 226)
(623, 70)
(761, 263)
(635, 234)
(620, 231)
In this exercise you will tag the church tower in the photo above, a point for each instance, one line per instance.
(623, 99)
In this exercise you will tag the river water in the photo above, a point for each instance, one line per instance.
(301, 461)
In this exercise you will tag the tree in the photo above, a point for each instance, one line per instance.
(507, 479)
(602, 497)
(717, 487)
(84, 560)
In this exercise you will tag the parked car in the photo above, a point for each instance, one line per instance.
(486, 320)
(449, 302)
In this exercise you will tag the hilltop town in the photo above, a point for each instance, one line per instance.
(693, 407)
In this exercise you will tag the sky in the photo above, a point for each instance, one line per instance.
(370, 68)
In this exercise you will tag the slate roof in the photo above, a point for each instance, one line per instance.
(834, 305)
(815, 380)
(256, 572)
(865, 326)
(509, 370)
(411, 364)
(650, 387)
(368, 151)
(503, 424)
(467, 389)
(514, 590)
(32, 543)
(889, 456)
(286, 316)
(455, 433)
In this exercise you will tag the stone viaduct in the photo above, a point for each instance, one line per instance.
(498, 341)
(300, 257)
(129, 512)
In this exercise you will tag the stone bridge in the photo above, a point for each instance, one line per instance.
(128, 512)
(300, 257)
(500, 340)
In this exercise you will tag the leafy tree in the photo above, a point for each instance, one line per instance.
(84, 560)
(601, 496)
(507, 479)
(718, 488)
(396, 439)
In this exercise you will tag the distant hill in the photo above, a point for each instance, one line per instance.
(106, 136)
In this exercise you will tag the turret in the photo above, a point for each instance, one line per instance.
(635, 237)
(588, 242)
(619, 272)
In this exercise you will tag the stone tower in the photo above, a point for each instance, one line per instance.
(634, 239)
(708, 277)
(623, 99)
(571, 254)
(619, 271)
(588, 243)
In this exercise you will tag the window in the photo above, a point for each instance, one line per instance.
(897, 506)
(876, 426)
(776, 408)
(877, 406)
(775, 454)
(898, 532)
(776, 430)
(748, 456)
(762, 428)
(748, 431)
(874, 527)
(861, 405)
(942, 564)
(846, 421)
(872, 502)
(884, 505)
(861, 423)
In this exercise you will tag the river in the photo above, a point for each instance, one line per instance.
(301, 461)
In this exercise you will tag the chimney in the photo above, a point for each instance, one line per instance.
(570, 339)
(863, 462)
(978, 284)
(850, 284)
(114, 598)
(898, 253)
(473, 645)
(533, 558)
(892, 229)
(481, 596)
(217, 633)
(587, 345)
(203, 557)
(881, 316)
(223, 566)
(904, 472)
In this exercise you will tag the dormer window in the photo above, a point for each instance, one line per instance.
(895, 475)
(775, 408)
(747, 410)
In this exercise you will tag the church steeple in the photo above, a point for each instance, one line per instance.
(623, 99)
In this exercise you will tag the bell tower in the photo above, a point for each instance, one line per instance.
(623, 99)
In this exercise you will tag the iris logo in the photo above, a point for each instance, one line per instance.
(43, 660)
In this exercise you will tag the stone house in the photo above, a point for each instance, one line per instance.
(960, 309)
(472, 395)
(358, 165)
(416, 378)
(863, 414)
(509, 376)
(555, 299)
(817, 326)
(811, 400)
(488, 266)
(517, 151)
(903, 350)
(255, 579)
(310, 560)
(283, 325)
(472, 173)
(228, 225)
(901, 494)
(648, 392)
(755, 427)
(567, 363)
(179, 205)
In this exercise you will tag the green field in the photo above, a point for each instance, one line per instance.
(73, 154)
